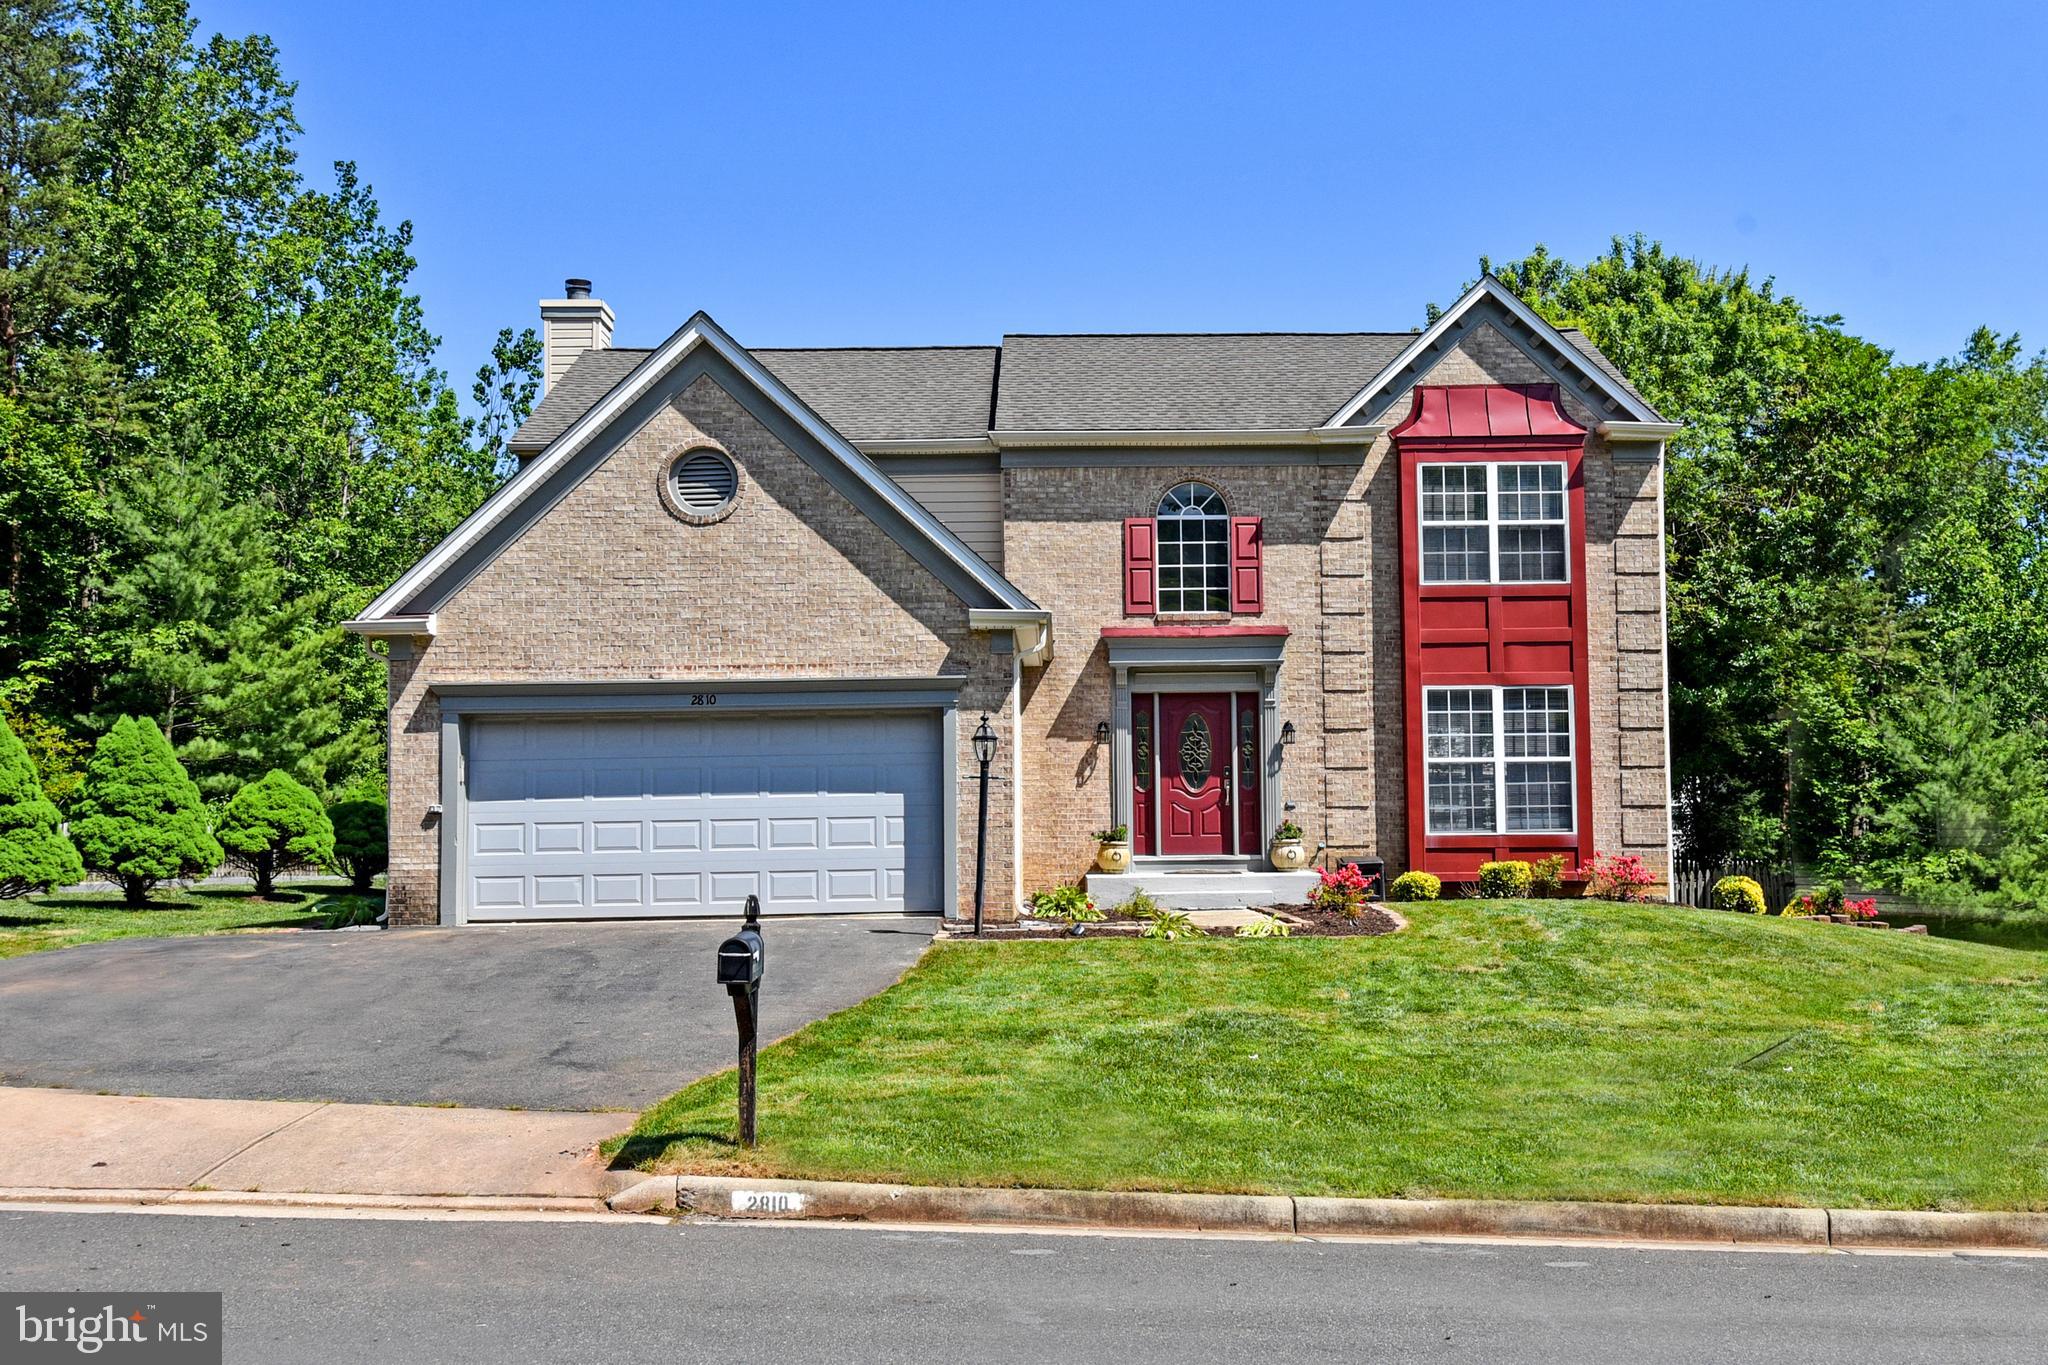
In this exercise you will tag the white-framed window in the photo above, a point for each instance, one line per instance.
(1498, 753)
(1194, 550)
(1494, 523)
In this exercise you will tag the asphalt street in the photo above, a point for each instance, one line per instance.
(321, 1290)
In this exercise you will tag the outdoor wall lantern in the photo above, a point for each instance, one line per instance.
(1287, 732)
(1102, 732)
(984, 754)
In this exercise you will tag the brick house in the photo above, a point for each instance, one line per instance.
(730, 628)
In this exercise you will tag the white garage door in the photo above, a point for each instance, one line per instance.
(690, 815)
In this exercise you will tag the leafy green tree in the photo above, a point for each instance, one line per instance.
(272, 823)
(176, 284)
(1843, 531)
(34, 854)
(362, 842)
(505, 391)
(139, 819)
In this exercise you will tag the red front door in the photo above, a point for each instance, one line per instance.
(1195, 742)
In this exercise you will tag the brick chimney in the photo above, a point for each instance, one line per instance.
(569, 326)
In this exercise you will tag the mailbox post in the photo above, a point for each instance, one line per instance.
(741, 960)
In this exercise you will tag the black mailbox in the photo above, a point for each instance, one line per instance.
(741, 961)
(740, 958)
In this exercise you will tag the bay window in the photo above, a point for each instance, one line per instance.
(1494, 753)
(1493, 523)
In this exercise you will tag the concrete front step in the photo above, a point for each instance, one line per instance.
(1202, 890)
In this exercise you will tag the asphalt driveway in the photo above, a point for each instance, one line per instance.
(560, 1016)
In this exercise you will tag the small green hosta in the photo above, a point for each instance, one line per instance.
(1169, 925)
(1266, 926)
(1066, 902)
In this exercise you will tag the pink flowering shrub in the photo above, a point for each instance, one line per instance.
(1343, 890)
(1618, 877)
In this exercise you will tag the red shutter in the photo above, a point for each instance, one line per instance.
(1247, 575)
(1140, 557)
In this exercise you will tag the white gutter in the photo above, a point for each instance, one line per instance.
(976, 445)
(1638, 431)
(1218, 436)
(1031, 629)
(386, 627)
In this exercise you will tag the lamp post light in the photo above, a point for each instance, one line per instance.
(984, 753)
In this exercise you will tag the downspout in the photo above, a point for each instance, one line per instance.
(1017, 780)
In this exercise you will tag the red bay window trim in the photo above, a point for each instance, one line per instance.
(1247, 574)
(1453, 428)
(1141, 559)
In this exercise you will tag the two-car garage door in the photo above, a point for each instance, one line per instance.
(827, 812)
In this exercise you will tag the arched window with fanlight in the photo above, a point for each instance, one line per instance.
(1194, 550)
(1192, 558)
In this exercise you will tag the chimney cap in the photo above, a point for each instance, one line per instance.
(575, 289)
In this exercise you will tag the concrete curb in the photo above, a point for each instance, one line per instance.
(727, 1197)
(1900, 1228)
(1541, 1218)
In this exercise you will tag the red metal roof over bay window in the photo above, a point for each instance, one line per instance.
(1486, 412)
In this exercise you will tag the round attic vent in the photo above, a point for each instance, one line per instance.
(702, 485)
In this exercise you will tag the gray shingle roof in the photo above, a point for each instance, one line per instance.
(1202, 382)
(595, 374)
(933, 393)
(1142, 382)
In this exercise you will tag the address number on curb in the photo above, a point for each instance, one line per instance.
(767, 1201)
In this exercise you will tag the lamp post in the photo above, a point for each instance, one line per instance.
(984, 753)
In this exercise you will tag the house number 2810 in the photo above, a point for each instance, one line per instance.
(703, 699)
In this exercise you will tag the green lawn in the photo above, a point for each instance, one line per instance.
(72, 917)
(1546, 1049)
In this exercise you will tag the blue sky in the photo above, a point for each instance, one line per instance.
(852, 174)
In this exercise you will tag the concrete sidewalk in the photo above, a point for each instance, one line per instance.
(63, 1140)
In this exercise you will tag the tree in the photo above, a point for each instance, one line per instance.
(180, 293)
(361, 836)
(1845, 534)
(139, 819)
(34, 854)
(1966, 807)
(505, 391)
(43, 273)
(241, 678)
(273, 823)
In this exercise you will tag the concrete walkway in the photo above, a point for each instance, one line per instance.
(63, 1140)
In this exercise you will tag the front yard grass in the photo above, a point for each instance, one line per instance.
(65, 918)
(1540, 1049)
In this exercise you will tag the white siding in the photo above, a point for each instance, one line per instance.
(970, 505)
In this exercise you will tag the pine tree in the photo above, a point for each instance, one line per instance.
(272, 823)
(34, 854)
(242, 678)
(139, 819)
